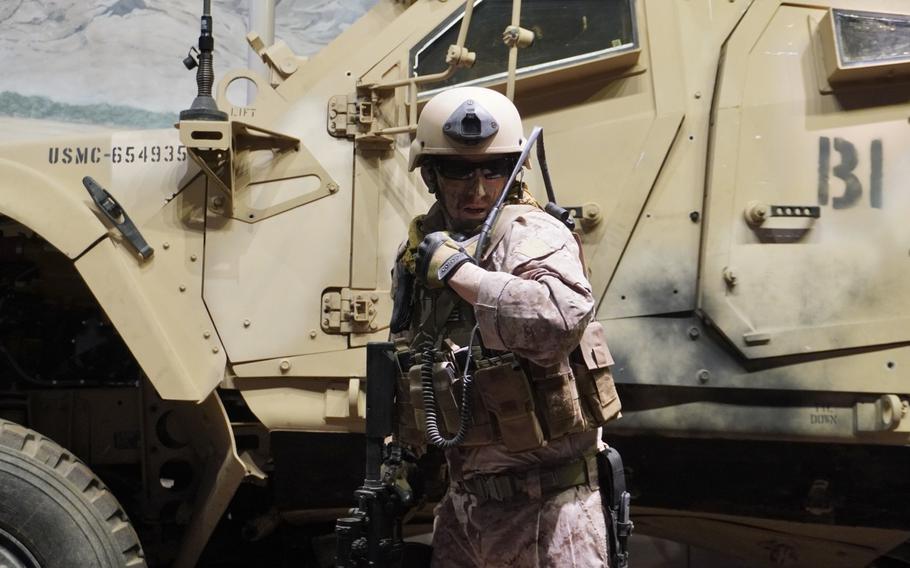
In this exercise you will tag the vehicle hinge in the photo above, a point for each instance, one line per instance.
(348, 311)
(355, 117)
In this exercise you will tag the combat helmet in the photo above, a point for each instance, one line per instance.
(467, 121)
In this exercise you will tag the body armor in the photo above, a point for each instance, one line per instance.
(515, 402)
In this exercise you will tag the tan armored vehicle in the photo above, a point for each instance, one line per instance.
(192, 328)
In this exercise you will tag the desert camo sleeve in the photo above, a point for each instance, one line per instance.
(535, 299)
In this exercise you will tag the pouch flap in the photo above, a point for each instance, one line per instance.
(593, 347)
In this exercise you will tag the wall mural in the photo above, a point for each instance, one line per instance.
(118, 62)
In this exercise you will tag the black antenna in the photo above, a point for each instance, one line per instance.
(204, 106)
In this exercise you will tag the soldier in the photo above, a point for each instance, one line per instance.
(504, 350)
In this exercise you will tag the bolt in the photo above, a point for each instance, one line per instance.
(325, 322)
(704, 376)
(332, 187)
(373, 326)
(247, 323)
(193, 258)
(697, 94)
(312, 334)
(374, 297)
(218, 202)
(215, 349)
(166, 246)
(206, 334)
(694, 216)
(182, 288)
(729, 276)
(694, 333)
(285, 366)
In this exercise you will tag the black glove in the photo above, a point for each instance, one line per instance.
(439, 256)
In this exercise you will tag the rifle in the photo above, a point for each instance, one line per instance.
(371, 534)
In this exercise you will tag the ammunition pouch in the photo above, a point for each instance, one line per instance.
(591, 362)
(515, 403)
(506, 392)
(409, 402)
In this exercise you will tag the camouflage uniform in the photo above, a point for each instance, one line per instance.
(534, 301)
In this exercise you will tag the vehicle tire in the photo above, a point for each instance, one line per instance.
(54, 512)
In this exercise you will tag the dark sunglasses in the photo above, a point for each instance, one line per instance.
(463, 170)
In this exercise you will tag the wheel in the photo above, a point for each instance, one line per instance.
(54, 512)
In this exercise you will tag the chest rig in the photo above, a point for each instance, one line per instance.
(509, 400)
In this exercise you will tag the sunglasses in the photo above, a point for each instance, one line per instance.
(463, 170)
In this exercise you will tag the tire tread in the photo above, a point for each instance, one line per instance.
(83, 481)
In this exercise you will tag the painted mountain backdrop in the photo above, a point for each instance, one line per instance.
(118, 62)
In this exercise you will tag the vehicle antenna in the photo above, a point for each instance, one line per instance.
(204, 106)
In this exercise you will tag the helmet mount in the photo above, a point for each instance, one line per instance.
(470, 124)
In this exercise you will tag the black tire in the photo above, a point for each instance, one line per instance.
(55, 510)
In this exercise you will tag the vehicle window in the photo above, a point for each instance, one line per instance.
(567, 32)
(865, 37)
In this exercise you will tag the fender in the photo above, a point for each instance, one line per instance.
(61, 215)
(155, 305)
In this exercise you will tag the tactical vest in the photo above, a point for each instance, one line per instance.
(515, 402)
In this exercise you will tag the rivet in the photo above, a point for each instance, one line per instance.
(373, 326)
(182, 288)
(694, 333)
(206, 334)
(694, 216)
(285, 366)
(325, 322)
(247, 323)
(374, 297)
(193, 258)
(312, 334)
(697, 94)
(332, 187)
(215, 349)
(704, 376)
(217, 202)
(166, 246)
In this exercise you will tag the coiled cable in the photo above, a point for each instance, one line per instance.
(434, 436)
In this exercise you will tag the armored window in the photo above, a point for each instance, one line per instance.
(872, 38)
(567, 33)
(865, 45)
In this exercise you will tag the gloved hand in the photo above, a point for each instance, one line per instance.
(439, 256)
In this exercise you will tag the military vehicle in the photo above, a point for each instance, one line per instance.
(191, 330)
